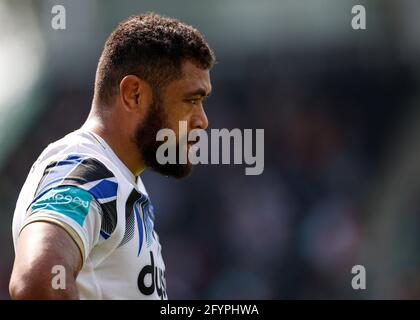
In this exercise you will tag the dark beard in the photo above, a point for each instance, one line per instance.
(145, 138)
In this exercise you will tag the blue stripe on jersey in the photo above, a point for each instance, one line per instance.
(139, 224)
(104, 234)
(72, 159)
(148, 216)
(104, 189)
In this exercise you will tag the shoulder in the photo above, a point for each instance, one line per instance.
(76, 160)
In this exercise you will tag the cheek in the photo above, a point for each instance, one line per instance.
(176, 114)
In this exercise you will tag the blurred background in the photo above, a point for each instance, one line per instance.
(340, 110)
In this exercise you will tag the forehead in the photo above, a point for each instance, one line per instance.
(193, 78)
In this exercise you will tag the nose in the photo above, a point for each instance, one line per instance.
(199, 119)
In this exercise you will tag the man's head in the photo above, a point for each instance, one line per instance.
(153, 73)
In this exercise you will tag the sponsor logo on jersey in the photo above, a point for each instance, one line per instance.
(70, 201)
(155, 278)
(63, 198)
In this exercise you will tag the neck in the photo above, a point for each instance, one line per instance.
(109, 128)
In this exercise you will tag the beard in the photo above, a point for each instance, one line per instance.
(145, 138)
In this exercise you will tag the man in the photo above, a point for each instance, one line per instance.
(83, 213)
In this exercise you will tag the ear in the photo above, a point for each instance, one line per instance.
(132, 92)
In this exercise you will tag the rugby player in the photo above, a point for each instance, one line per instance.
(83, 208)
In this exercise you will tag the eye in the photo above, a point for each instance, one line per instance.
(195, 100)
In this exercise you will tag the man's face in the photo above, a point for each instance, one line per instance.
(180, 100)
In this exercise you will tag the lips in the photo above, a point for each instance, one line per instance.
(192, 143)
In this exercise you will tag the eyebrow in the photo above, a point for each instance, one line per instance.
(199, 92)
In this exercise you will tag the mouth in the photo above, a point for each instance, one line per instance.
(193, 143)
(191, 146)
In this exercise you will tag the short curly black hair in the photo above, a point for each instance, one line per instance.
(152, 47)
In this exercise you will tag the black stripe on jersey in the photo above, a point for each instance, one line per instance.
(109, 216)
(129, 217)
(87, 170)
(90, 170)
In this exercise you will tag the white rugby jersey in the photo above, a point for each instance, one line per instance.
(79, 183)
